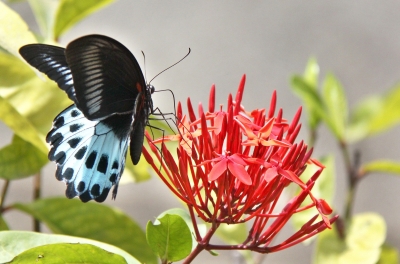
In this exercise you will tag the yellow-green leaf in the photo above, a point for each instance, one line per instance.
(336, 106)
(68, 253)
(14, 32)
(362, 244)
(13, 243)
(13, 71)
(94, 221)
(21, 125)
(386, 166)
(20, 159)
(71, 11)
(45, 12)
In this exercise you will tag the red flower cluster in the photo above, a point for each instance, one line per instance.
(233, 165)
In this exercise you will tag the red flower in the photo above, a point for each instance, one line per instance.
(233, 165)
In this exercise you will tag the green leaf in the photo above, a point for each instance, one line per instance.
(13, 71)
(363, 242)
(336, 106)
(185, 216)
(45, 11)
(135, 173)
(389, 114)
(14, 31)
(13, 243)
(311, 73)
(235, 234)
(71, 11)
(37, 100)
(389, 255)
(311, 99)
(170, 239)
(324, 188)
(375, 115)
(386, 166)
(20, 159)
(3, 224)
(362, 116)
(20, 125)
(91, 220)
(67, 253)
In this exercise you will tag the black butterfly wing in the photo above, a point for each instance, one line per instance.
(107, 77)
(51, 61)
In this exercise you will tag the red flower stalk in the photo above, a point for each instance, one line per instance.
(233, 166)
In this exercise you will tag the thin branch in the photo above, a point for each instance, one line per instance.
(36, 196)
(3, 194)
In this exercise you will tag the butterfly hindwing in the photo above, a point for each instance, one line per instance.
(90, 157)
(106, 76)
(51, 61)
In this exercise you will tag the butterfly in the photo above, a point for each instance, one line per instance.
(112, 104)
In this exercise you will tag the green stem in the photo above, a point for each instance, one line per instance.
(352, 180)
(36, 196)
(3, 194)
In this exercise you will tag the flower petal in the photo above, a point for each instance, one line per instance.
(218, 169)
(239, 172)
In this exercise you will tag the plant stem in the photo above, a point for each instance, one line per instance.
(36, 196)
(352, 180)
(202, 244)
(3, 194)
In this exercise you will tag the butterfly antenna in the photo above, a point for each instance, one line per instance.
(145, 68)
(171, 65)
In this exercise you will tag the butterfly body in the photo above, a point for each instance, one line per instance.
(89, 140)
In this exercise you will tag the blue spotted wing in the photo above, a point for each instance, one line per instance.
(111, 107)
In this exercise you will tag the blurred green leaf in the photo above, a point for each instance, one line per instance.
(13, 71)
(311, 99)
(386, 166)
(20, 159)
(235, 234)
(20, 125)
(170, 239)
(311, 73)
(72, 11)
(389, 255)
(389, 114)
(68, 253)
(14, 31)
(336, 106)
(94, 221)
(135, 173)
(13, 243)
(363, 242)
(375, 115)
(324, 188)
(362, 116)
(45, 11)
(37, 100)
(3, 225)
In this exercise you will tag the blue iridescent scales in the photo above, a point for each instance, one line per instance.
(89, 139)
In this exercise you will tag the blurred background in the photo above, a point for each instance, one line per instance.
(359, 41)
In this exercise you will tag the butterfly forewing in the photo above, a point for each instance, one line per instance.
(51, 61)
(106, 76)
